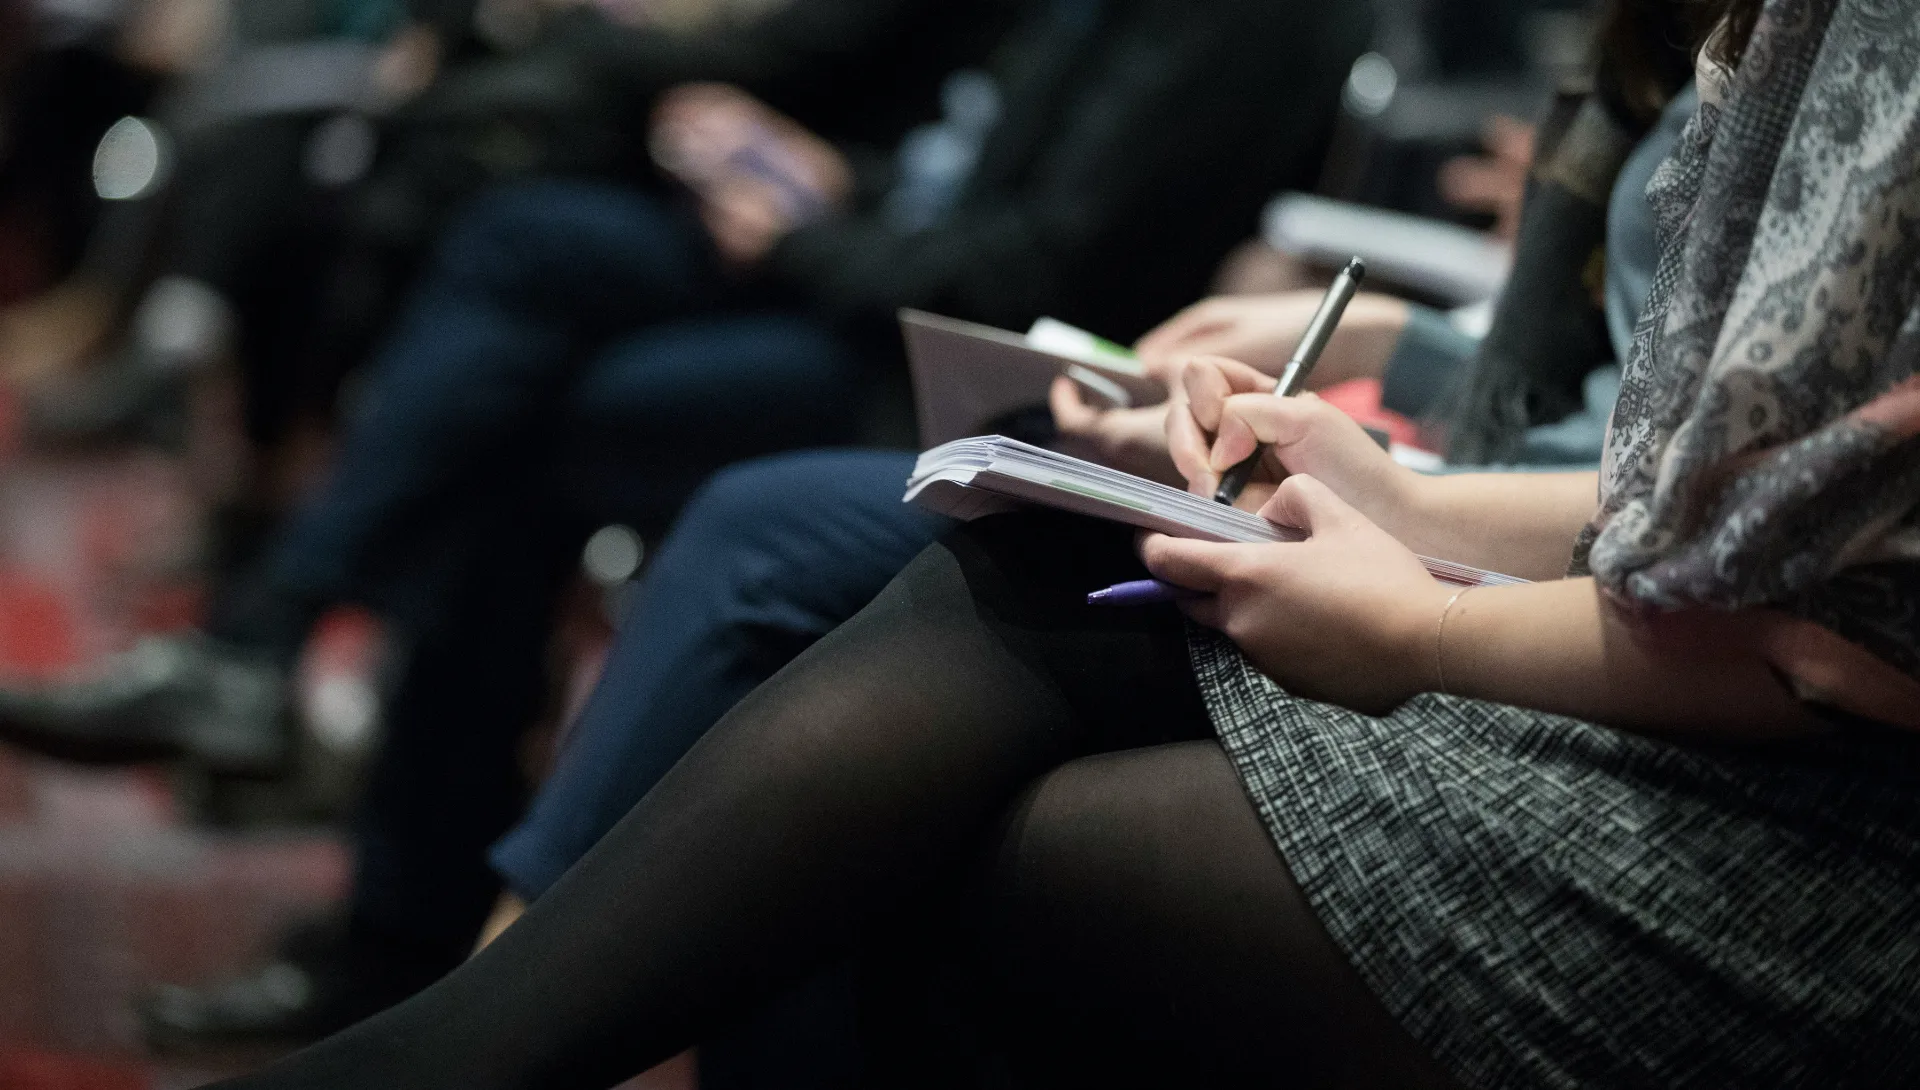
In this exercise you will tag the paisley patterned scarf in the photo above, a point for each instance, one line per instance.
(1765, 451)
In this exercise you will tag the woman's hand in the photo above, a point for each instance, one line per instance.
(1346, 616)
(1134, 440)
(1222, 409)
(1264, 330)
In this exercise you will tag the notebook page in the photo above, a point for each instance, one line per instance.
(946, 478)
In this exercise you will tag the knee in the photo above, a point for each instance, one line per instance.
(1090, 837)
(1089, 896)
(525, 233)
(1139, 910)
(751, 535)
(741, 501)
(493, 221)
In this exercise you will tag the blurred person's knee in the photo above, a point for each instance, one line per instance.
(544, 241)
(807, 538)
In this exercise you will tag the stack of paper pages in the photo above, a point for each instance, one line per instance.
(968, 478)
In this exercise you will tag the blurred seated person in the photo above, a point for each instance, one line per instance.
(283, 235)
(773, 554)
(67, 74)
(591, 347)
(1650, 819)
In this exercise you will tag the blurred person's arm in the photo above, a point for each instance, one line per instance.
(1494, 182)
(172, 36)
(1182, 121)
(803, 53)
(1263, 331)
(1413, 349)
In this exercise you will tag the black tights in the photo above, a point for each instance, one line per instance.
(976, 752)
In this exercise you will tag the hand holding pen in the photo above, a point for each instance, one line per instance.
(1293, 378)
(1203, 427)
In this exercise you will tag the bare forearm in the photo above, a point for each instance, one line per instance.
(1522, 524)
(1561, 647)
(1362, 343)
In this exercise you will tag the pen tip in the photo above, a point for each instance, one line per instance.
(1357, 269)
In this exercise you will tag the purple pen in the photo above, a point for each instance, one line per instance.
(1140, 592)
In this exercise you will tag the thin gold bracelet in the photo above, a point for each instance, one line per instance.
(1440, 639)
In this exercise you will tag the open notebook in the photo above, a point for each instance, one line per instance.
(969, 478)
(968, 377)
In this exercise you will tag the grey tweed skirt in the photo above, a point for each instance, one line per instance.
(1544, 902)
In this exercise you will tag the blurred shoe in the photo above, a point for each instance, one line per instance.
(180, 328)
(322, 982)
(170, 697)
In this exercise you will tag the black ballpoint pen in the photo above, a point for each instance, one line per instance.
(1312, 343)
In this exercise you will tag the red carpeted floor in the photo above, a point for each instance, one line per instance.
(103, 888)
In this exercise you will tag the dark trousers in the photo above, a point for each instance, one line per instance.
(768, 557)
(558, 313)
(574, 356)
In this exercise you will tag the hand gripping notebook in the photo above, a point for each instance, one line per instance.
(969, 478)
(968, 376)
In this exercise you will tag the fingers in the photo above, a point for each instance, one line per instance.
(1247, 420)
(1071, 414)
(1305, 503)
(692, 102)
(1234, 435)
(744, 218)
(1206, 383)
(1165, 338)
(1509, 138)
(1190, 449)
(1204, 566)
(1193, 338)
(1210, 380)
(1207, 612)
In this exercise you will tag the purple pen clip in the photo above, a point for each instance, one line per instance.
(1141, 592)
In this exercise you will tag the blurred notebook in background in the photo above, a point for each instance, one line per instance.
(969, 378)
(969, 478)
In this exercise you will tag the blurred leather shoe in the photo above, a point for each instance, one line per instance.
(321, 983)
(180, 328)
(169, 697)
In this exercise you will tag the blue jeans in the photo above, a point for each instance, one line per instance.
(767, 558)
(573, 356)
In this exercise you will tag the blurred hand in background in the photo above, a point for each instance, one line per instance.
(1263, 330)
(1134, 440)
(757, 173)
(1494, 183)
(174, 36)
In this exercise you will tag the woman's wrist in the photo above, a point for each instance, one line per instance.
(1409, 507)
(1560, 647)
(1416, 632)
